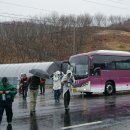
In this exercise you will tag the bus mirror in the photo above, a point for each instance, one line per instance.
(97, 71)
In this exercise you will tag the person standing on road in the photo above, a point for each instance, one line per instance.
(34, 83)
(7, 93)
(42, 86)
(24, 84)
(57, 85)
(20, 84)
(67, 81)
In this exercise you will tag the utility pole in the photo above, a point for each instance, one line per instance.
(74, 44)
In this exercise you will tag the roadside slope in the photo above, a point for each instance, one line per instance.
(108, 39)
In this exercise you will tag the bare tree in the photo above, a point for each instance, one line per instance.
(100, 20)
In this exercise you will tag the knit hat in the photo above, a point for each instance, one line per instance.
(4, 80)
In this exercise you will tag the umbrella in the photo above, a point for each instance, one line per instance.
(47, 71)
(56, 66)
(39, 73)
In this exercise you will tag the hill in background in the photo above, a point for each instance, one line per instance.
(109, 40)
(35, 42)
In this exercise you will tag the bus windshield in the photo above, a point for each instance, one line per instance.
(79, 66)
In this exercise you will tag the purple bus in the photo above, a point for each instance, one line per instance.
(101, 71)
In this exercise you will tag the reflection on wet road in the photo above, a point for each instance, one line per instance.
(67, 120)
(33, 123)
(97, 112)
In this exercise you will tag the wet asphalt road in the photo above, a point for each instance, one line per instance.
(86, 113)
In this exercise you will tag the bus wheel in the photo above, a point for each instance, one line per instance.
(109, 88)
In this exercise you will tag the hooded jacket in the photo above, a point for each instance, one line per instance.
(11, 94)
(57, 80)
(67, 81)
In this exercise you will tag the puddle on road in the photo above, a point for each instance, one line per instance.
(89, 110)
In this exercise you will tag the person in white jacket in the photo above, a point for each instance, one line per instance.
(67, 80)
(57, 85)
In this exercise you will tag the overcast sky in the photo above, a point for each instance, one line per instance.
(23, 8)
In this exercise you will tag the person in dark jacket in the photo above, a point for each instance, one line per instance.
(34, 83)
(7, 93)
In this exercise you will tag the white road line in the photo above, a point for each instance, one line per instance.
(80, 125)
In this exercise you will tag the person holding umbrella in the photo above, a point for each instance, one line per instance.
(33, 82)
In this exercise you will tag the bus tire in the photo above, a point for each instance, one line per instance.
(109, 88)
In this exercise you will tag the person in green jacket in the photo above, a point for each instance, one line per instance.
(7, 93)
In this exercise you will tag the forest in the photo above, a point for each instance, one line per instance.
(55, 37)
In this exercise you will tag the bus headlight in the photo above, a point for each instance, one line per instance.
(86, 86)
